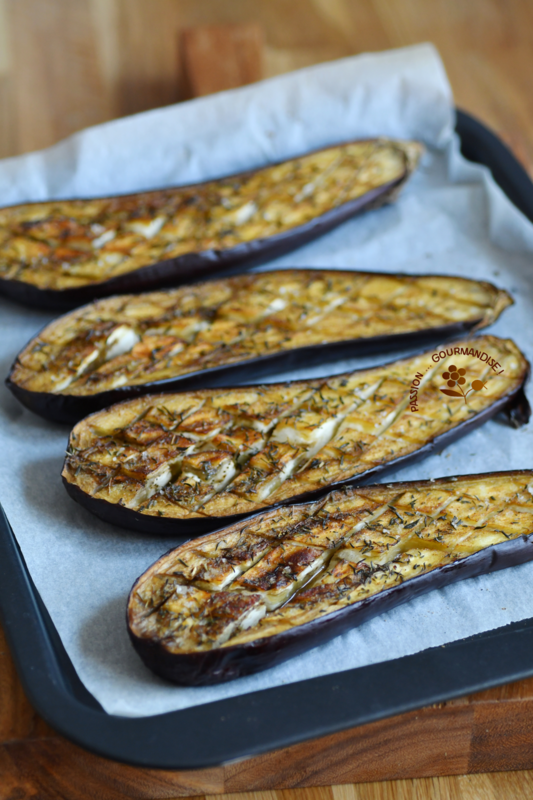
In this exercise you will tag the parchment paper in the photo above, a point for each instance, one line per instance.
(451, 219)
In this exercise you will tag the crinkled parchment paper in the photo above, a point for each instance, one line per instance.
(450, 219)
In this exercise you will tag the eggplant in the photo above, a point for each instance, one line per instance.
(187, 463)
(262, 591)
(62, 253)
(240, 328)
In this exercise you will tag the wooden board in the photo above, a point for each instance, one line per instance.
(219, 57)
(488, 731)
(65, 65)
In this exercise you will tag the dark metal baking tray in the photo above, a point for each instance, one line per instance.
(216, 733)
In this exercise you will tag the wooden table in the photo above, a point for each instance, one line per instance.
(491, 730)
(66, 64)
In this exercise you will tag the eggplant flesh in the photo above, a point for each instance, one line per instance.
(62, 253)
(187, 463)
(132, 344)
(253, 595)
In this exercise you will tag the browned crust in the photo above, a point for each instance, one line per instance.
(258, 341)
(230, 661)
(183, 520)
(193, 261)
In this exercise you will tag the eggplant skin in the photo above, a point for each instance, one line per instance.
(62, 253)
(242, 327)
(184, 464)
(367, 571)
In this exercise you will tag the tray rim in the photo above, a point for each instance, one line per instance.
(251, 724)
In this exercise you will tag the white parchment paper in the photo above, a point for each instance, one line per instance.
(451, 219)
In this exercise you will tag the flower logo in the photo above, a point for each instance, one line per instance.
(455, 377)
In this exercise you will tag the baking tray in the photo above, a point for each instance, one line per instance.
(216, 733)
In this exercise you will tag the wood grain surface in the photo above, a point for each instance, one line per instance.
(218, 57)
(67, 64)
(402, 757)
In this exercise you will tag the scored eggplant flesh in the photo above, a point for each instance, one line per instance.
(250, 596)
(183, 463)
(65, 245)
(128, 344)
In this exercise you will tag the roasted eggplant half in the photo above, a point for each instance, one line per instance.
(63, 253)
(257, 593)
(240, 327)
(187, 463)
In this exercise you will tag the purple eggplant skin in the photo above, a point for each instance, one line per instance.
(192, 267)
(228, 663)
(69, 409)
(514, 405)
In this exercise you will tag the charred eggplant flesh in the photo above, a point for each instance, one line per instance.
(132, 344)
(187, 463)
(62, 253)
(250, 596)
